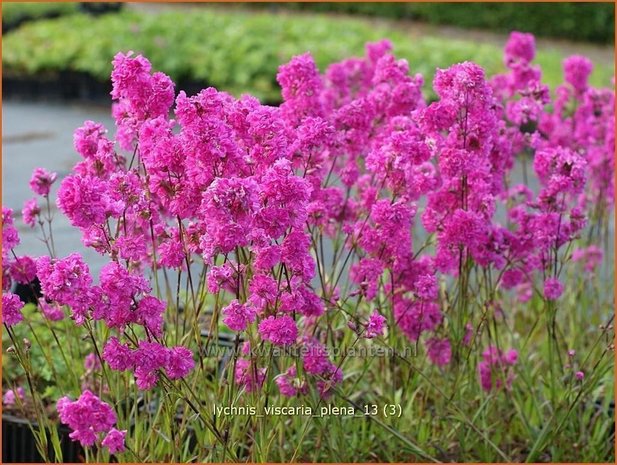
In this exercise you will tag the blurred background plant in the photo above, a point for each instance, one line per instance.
(238, 47)
(557, 20)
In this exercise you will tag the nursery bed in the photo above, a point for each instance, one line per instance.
(19, 445)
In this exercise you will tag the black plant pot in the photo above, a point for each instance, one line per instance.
(19, 443)
(99, 8)
(28, 293)
(63, 86)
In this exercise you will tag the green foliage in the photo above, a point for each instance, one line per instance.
(56, 365)
(16, 12)
(445, 415)
(237, 52)
(593, 22)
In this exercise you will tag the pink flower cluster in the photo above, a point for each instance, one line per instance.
(10, 397)
(40, 183)
(11, 309)
(495, 369)
(406, 191)
(317, 364)
(10, 239)
(147, 360)
(376, 325)
(89, 417)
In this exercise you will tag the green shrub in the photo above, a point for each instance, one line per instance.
(237, 52)
(16, 12)
(594, 22)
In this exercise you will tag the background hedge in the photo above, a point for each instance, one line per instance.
(15, 13)
(593, 22)
(235, 51)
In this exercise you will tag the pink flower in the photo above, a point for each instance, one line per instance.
(224, 277)
(301, 87)
(67, 281)
(279, 330)
(11, 309)
(289, 385)
(114, 441)
(119, 288)
(426, 287)
(238, 316)
(149, 314)
(375, 326)
(579, 375)
(86, 138)
(552, 289)
(41, 181)
(264, 291)
(416, 317)
(180, 362)
(576, 70)
(388, 234)
(11, 395)
(560, 170)
(296, 256)
(230, 205)
(591, 257)
(149, 358)
(10, 237)
(87, 417)
(267, 257)
(317, 363)
(285, 198)
(171, 251)
(141, 95)
(511, 357)
(269, 140)
(51, 311)
(92, 362)
(131, 247)
(521, 47)
(301, 299)
(348, 159)
(248, 375)
(524, 292)
(495, 370)
(512, 278)
(366, 274)
(439, 351)
(82, 199)
(30, 212)
(23, 269)
(118, 356)
(149, 95)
